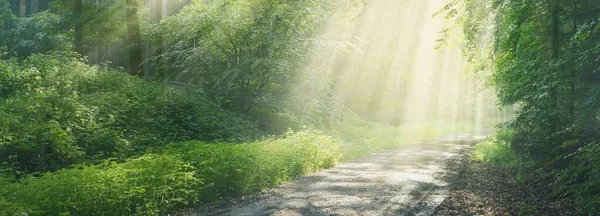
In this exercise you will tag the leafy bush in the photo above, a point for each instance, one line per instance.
(58, 111)
(32, 138)
(39, 33)
(13, 80)
(148, 185)
(497, 150)
(235, 169)
(582, 178)
(155, 184)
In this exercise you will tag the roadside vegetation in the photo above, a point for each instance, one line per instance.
(497, 180)
(91, 140)
(542, 56)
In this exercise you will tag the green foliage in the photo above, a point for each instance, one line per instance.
(147, 185)
(57, 111)
(6, 15)
(243, 53)
(528, 210)
(39, 33)
(497, 150)
(361, 138)
(230, 170)
(582, 178)
(13, 81)
(538, 54)
(156, 184)
(39, 133)
(543, 56)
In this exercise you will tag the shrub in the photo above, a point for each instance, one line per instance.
(148, 185)
(31, 137)
(236, 169)
(497, 150)
(582, 178)
(41, 32)
(59, 111)
(14, 80)
(155, 184)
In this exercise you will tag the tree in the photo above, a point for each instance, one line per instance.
(241, 53)
(544, 57)
(134, 40)
(78, 27)
(22, 8)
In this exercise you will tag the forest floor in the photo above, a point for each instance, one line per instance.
(486, 189)
(435, 177)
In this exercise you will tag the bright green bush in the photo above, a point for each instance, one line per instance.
(236, 169)
(148, 185)
(13, 80)
(497, 150)
(155, 184)
(32, 138)
(57, 111)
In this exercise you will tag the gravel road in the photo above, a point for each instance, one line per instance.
(403, 181)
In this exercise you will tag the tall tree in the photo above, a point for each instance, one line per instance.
(78, 27)
(22, 8)
(133, 39)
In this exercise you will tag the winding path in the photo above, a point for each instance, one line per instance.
(403, 181)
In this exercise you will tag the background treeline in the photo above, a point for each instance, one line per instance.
(544, 56)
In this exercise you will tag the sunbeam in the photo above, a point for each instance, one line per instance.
(390, 68)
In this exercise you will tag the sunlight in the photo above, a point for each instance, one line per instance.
(390, 71)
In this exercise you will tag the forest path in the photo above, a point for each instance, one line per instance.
(403, 181)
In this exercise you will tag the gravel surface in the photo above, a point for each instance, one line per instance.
(410, 180)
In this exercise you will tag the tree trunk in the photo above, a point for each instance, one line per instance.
(22, 8)
(133, 39)
(78, 27)
(555, 127)
(159, 44)
(34, 7)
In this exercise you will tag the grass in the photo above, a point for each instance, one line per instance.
(360, 138)
(497, 151)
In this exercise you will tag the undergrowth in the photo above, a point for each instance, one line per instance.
(497, 150)
(89, 140)
(183, 174)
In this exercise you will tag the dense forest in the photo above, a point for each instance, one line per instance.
(545, 57)
(147, 107)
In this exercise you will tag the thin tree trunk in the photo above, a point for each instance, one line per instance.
(34, 7)
(555, 55)
(22, 8)
(159, 43)
(78, 27)
(134, 39)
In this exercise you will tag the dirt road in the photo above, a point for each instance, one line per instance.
(403, 181)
